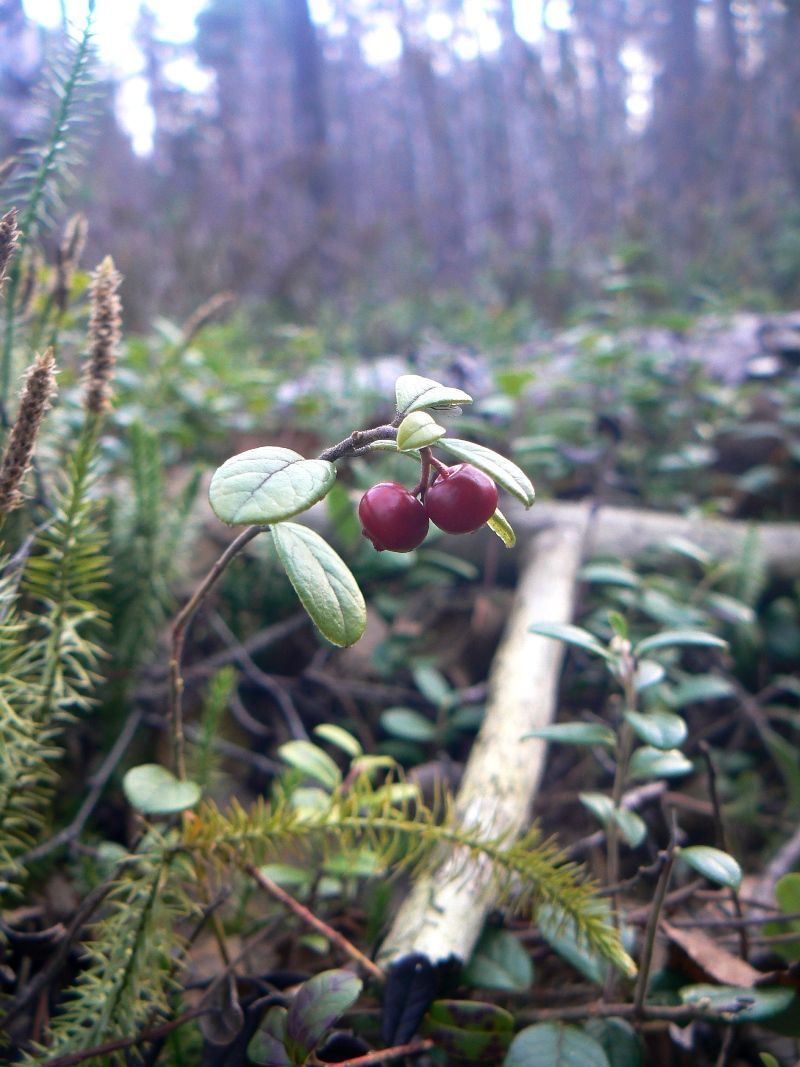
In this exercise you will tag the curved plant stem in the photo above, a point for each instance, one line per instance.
(179, 628)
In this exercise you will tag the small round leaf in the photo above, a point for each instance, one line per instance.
(153, 790)
(554, 1045)
(318, 1004)
(265, 485)
(323, 582)
(650, 762)
(414, 392)
(312, 761)
(714, 864)
(418, 430)
(661, 729)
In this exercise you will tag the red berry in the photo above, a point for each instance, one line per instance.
(461, 499)
(392, 517)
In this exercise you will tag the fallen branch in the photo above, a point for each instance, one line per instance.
(443, 916)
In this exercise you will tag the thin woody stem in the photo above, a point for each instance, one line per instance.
(310, 919)
(358, 441)
(179, 628)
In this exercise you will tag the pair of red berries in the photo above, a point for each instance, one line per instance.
(460, 500)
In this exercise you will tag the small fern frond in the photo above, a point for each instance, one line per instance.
(128, 978)
(64, 575)
(526, 873)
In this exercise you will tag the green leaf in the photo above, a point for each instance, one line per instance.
(571, 635)
(153, 790)
(651, 762)
(700, 688)
(576, 733)
(507, 474)
(661, 729)
(619, 1041)
(768, 1060)
(414, 393)
(500, 525)
(312, 761)
(730, 609)
(267, 1044)
(787, 893)
(418, 430)
(323, 582)
(317, 1005)
(265, 485)
(554, 1045)
(408, 724)
(609, 574)
(631, 826)
(499, 962)
(342, 739)
(670, 638)
(737, 1004)
(469, 1030)
(559, 933)
(714, 864)
(647, 673)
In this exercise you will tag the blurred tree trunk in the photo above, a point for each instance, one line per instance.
(311, 131)
(446, 219)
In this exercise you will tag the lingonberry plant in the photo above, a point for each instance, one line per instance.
(263, 488)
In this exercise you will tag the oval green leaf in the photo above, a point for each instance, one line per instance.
(571, 635)
(651, 762)
(318, 1004)
(554, 1045)
(672, 638)
(153, 790)
(499, 962)
(575, 733)
(661, 729)
(738, 1004)
(507, 474)
(500, 525)
(408, 724)
(414, 392)
(267, 1044)
(341, 738)
(323, 582)
(631, 826)
(609, 574)
(469, 1030)
(620, 1042)
(266, 485)
(648, 673)
(312, 761)
(714, 864)
(418, 430)
(701, 688)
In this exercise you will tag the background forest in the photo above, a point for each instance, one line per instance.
(640, 142)
(521, 787)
